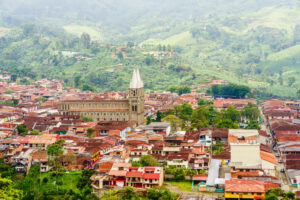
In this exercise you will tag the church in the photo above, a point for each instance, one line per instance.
(130, 109)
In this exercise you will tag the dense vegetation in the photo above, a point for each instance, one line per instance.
(204, 116)
(157, 193)
(59, 183)
(277, 193)
(252, 43)
(231, 91)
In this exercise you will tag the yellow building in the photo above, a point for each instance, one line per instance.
(244, 189)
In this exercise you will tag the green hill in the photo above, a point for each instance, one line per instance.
(250, 42)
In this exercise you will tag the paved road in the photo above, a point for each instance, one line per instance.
(285, 184)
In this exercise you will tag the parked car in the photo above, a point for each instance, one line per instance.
(280, 160)
(282, 170)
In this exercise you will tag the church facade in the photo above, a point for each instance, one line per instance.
(130, 109)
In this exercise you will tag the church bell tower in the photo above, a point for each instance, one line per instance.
(136, 98)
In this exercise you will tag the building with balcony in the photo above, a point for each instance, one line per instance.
(244, 189)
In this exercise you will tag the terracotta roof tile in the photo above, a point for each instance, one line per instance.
(117, 173)
(150, 176)
(244, 186)
(134, 174)
(269, 157)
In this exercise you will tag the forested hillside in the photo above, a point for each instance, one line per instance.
(256, 43)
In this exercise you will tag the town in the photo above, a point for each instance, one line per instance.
(193, 145)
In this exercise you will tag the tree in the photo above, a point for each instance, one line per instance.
(87, 119)
(186, 111)
(60, 142)
(231, 90)
(199, 118)
(253, 125)
(175, 121)
(158, 116)
(218, 148)
(280, 80)
(250, 112)
(120, 55)
(77, 81)
(184, 90)
(13, 77)
(271, 197)
(22, 129)
(149, 160)
(41, 99)
(8, 92)
(136, 164)
(298, 94)
(276, 191)
(35, 132)
(130, 44)
(160, 193)
(55, 151)
(85, 40)
(227, 123)
(89, 132)
(84, 179)
(202, 102)
(95, 50)
(290, 195)
(129, 193)
(159, 47)
(291, 80)
(7, 191)
(28, 29)
(212, 115)
(172, 89)
(232, 113)
(87, 87)
(148, 120)
(149, 60)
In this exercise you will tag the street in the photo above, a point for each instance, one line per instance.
(285, 184)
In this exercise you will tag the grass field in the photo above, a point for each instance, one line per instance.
(66, 181)
(286, 53)
(77, 30)
(182, 185)
(275, 17)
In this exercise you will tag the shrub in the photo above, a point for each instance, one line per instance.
(45, 180)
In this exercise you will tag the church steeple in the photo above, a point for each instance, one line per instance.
(136, 81)
(136, 98)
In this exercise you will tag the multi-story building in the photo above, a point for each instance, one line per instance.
(144, 177)
(131, 109)
(123, 174)
(244, 189)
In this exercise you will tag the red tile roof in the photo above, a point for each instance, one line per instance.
(269, 157)
(224, 155)
(149, 169)
(200, 177)
(244, 186)
(150, 176)
(134, 174)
